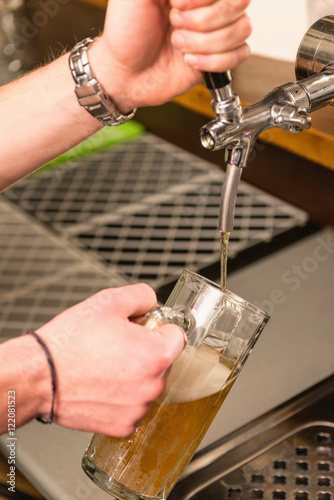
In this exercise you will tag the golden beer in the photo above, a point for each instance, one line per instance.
(152, 459)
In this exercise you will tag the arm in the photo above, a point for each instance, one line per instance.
(26, 381)
(108, 368)
(42, 120)
(147, 54)
(164, 56)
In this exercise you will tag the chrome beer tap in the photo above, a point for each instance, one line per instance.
(288, 106)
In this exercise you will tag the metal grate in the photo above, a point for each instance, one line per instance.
(36, 306)
(41, 274)
(299, 468)
(158, 241)
(102, 182)
(27, 255)
(150, 209)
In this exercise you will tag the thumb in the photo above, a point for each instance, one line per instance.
(174, 340)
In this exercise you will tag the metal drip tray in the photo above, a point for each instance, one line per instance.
(286, 454)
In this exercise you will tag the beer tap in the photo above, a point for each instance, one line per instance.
(237, 128)
(228, 109)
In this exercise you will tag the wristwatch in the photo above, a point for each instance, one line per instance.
(89, 91)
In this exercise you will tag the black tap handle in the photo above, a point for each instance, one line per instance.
(217, 80)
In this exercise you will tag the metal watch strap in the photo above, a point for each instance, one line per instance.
(88, 90)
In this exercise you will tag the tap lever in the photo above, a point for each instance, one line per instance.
(217, 80)
(219, 85)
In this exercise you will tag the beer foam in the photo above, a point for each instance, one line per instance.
(196, 374)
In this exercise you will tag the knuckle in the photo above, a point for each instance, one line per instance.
(161, 363)
(105, 295)
(248, 26)
(129, 425)
(146, 290)
(138, 413)
(234, 59)
(239, 55)
(156, 389)
(237, 5)
(234, 8)
(245, 4)
(227, 7)
(167, 359)
(196, 22)
(158, 366)
(245, 26)
(243, 52)
(96, 303)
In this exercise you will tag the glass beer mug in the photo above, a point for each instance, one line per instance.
(222, 329)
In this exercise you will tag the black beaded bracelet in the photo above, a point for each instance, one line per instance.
(53, 377)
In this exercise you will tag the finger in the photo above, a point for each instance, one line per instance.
(133, 300)
(109, 419)
(218, 62)
(206, 18)
(232, 5)
(202, 20)
(174, 340)
(219, 41)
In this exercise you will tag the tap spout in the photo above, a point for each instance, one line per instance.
(229, 197)
(235, 158)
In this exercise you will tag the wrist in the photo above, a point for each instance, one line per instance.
(25, 370)
(111, 76)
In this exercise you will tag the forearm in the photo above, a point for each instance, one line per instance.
(24, 381)
(41, 120)
(40, 115)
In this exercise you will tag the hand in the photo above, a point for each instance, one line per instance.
(149, 52)
(109, 368)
